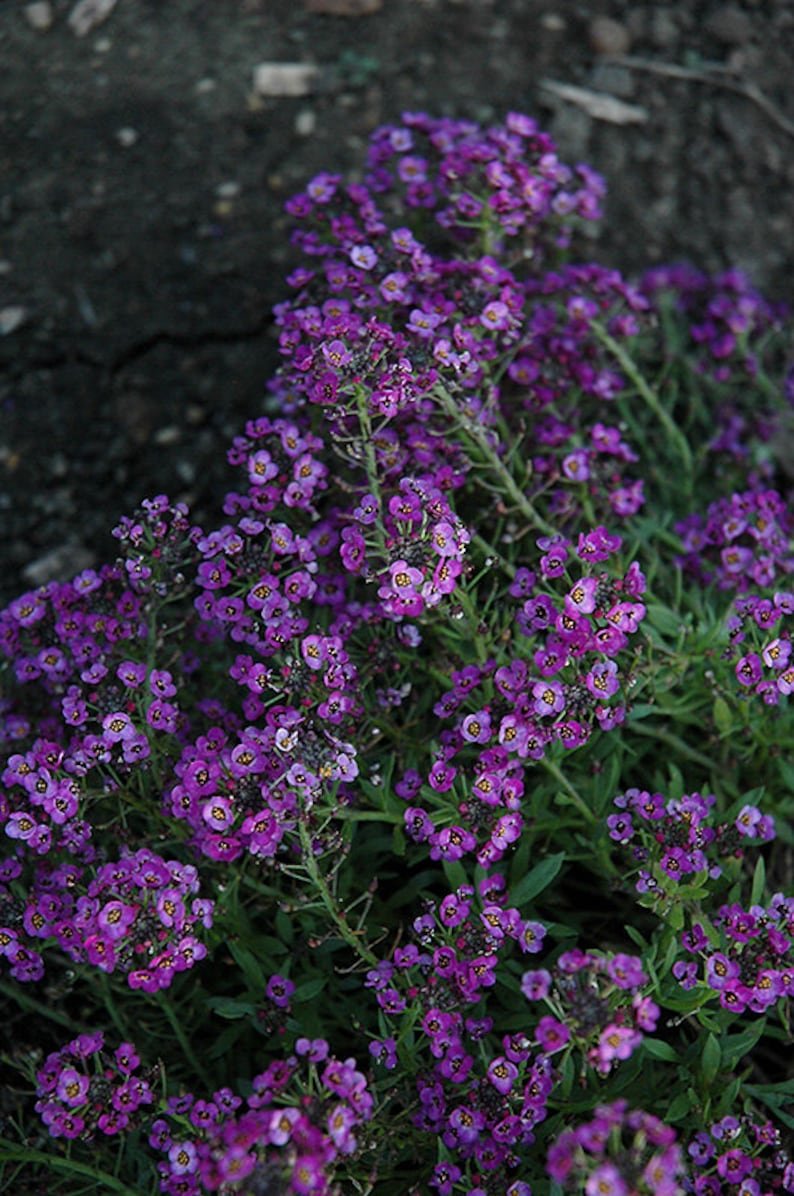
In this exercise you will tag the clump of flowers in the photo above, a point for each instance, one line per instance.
(619, 1152)
(85, 1090)
(678, 841)
(509, 712)
(747, 958)
(759, 629)
(597, 1007)
(726, 317)
(739, 1154)
(300, 1119)
(298, 779)
(506, 180)
(139, 914)
(743, 540)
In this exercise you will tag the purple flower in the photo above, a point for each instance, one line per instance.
(551, 1035)
(72, 1087)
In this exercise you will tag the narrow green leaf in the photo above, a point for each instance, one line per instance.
(284, 928)
(249, 964)
(664, 619)
(759, 881)
(455, 873)
(721, 713)
(657, 1048)
(710, 1060)
(679, 1107)
(636, 937)
(537, 880)
(736, 1046)
(226, 1040)
(309, 989)
(230, 1008)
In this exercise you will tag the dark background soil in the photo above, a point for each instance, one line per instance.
(142, 241)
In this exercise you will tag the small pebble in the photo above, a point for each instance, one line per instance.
(344, 8)
(167, 435)
(284, 78)
(730, 25)
(87, 14)
(305, 122)
(39, 15)
(126, 137)
(227, 190)
(12, 318)
(59, 564)
(608, 37)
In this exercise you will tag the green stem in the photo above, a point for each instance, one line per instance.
(368, 816)
(649, 395)
(112, 1008)
(477, 436)
(371, 463)
(184, 1042)
(555, 771)
(674, 741)
(31, 1005)
(24, 1154)
(337, 917)
(489, 551)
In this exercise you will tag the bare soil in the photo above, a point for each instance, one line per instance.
(142, 183)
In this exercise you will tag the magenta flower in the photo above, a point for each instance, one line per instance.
(551, 1034)
(72, 1087)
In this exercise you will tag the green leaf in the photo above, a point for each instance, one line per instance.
(230, 1008)
(663, 619)
(710, 1060)
(309, 989)
(249, 964)
(657, 1048)
(675, 918)
(736, 1046)
(284, 928)
(679, 1107)
(759, 881)
(537, 880)
(455, 873)
(636, 937)
(226, 1040)
(721, 713)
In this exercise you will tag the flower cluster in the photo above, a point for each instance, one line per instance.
(507, 179)
(728, 320)
(740, 1155)
(482, 1099)
(507, 715)
(349, 714)
(748, 958)
(597, 1006)
(620, 1152)
(674, 840)
(139, 914)
(83, 1088)
(743, 541)
(157, 542)
(300, 1119)
(761, 624)
(244, 793)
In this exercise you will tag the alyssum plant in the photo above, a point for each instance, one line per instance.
(424, 827)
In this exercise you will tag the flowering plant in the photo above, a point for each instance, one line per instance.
(425, 825)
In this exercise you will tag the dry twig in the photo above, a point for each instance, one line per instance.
(716, 75)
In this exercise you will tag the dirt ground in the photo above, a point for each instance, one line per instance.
(142, 182)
